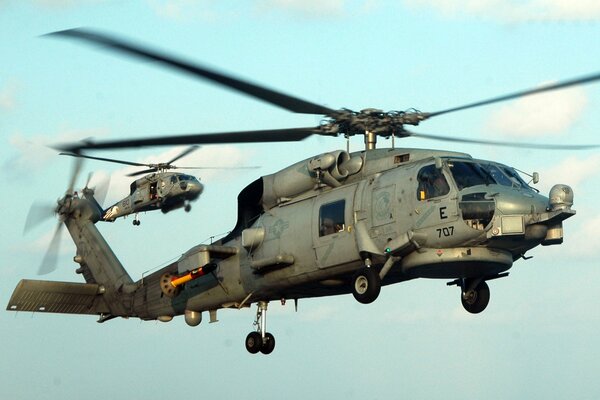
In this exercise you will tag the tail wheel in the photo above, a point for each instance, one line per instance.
(366, 285)
(475, 300)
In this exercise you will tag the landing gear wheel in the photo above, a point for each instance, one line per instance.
(475, 300)
(187, 208)
(254, 342)
(268, 344)
(366, 285)
(136, 222)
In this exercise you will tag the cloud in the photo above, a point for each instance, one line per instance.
(306, 8)
(8, 95)
(35, 153)
(515, 11)
(211, 10)
(56, 5)
(573, 171)
(583, 242)
(551, 113)
(184, 10)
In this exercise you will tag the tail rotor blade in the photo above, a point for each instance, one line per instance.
(38, 213)
(49, 262)
(76, 169)
(89, 178)
(101, 189)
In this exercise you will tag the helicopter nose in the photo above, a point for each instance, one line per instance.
(534, 217)
(194, 189)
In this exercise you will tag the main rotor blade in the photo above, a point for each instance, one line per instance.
(104, 159)
(546, 88)
(248, 167)
(274, 135)
(129, 48)
(184, 153)
(146, 171)
(502, 143)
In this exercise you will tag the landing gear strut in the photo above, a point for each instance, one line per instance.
(187, 207)
(260, 340)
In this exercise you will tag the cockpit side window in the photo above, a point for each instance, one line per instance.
(467, 174)
(173, 179)
(132, 188)
(331, 218)
(432, 183)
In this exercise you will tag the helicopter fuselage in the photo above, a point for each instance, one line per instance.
(298, 236)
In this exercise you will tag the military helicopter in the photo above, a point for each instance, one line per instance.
(159, 190)
(333, 224)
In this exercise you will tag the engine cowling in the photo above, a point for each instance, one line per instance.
(328, 169)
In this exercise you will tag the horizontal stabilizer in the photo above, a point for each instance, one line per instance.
(58, 297)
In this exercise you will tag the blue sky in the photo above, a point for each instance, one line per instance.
(538, 337)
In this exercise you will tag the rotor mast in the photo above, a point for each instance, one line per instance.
(370, 140)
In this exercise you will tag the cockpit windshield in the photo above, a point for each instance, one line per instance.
(468, 173)
(183, 177)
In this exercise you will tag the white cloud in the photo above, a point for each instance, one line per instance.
(583, 240)
(551, 113)
(211, 10)
(573, 171)
(514, 11)
(184, 10)
(306, 8)
(56, 5)
(8, 95)
(35, 152)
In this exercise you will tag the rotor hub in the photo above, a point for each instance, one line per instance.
(371, 121)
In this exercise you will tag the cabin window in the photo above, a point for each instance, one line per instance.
(132, 188)
(173, 179)
(331, 218)
(432, 183)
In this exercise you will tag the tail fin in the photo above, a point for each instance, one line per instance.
(109, 287)
(98, 263)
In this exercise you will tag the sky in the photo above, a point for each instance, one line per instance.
(537, 338)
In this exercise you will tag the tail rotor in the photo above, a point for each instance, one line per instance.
(41, 211)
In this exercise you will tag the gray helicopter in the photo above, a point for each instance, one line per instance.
(160, 189)
(337, 223)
